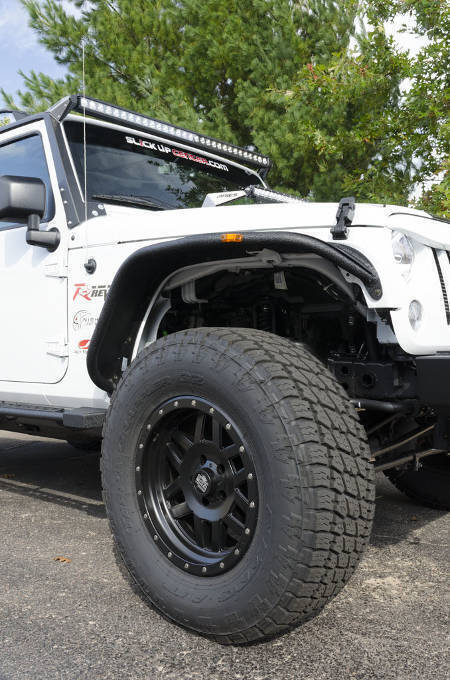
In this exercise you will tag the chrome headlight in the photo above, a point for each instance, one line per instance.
(403, 252)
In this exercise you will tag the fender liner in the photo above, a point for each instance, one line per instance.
(140, 274)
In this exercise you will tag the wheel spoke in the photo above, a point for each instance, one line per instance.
(218, 535)
(230, 451)
(199, 427)
(234, 526)
(171, 489)
(181, 440)
(241, 500)
(201, 531)
(240, 477)
(216, 432)
(173, 456)
(181, 510)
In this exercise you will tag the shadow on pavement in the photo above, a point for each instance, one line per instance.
(53, 471)
(397, 517)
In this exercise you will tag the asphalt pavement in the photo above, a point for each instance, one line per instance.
(76, 618)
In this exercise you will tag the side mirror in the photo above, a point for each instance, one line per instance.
(24, 198)
(21, 196)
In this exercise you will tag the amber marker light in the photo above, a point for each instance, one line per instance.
(231, 238)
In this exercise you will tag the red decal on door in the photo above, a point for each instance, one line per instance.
(82, 290)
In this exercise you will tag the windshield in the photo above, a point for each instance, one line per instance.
(122, 164)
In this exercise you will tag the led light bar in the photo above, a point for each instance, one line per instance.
(105, 111)
(270, 195)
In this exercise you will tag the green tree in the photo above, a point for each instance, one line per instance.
(290, 77)
(425, 106)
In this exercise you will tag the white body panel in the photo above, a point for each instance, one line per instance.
(40, 308)
(33, 299)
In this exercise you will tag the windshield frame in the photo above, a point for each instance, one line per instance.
(252, 176)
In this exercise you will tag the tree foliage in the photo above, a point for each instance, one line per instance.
(295, 78)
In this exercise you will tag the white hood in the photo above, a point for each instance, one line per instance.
(126, 224)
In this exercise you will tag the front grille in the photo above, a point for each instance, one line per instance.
(442, 282)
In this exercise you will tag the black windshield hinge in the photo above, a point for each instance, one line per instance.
(344, 217)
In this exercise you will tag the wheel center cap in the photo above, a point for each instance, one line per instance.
(202, 482)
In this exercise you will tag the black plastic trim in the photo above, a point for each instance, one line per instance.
(74, 418)
(354, 255)
(139, 276)
(67, 182)
(14, 411)
(443, 287)
(433, 380)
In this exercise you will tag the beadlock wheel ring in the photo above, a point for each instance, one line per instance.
(196, 486)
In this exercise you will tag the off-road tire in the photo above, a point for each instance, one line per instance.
(315, 481)
(428, 485)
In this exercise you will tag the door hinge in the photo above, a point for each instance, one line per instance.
(57, 269)
(57, 348)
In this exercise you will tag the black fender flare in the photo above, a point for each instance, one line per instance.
(140, 275)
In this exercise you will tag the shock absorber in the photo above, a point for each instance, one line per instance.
(264, 316)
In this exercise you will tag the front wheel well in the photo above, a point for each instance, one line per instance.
(310, 303)
(147, 278)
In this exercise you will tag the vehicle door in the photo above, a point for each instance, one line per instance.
(33, 281)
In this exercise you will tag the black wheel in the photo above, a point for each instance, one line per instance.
(429, 484)
(197, 485)
(86, 444)
(237, 481)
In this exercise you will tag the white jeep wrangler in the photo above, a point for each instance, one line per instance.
(246, 359)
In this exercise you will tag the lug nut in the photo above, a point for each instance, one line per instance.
(175, 403)
(161, 411)
(204, 570)
(145, 516)
(138, 469)
(193, 402)
(169, 555)
(221, 565)
(247, 531)
(139, 493)
(186, 565)
(241, 449)
(250, 475)
(211, 410)
(155, 537)
(141, 446)
(237, 552)
(228, 426)
(252, 504)
(149, 427)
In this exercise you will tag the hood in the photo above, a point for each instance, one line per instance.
(124, 224)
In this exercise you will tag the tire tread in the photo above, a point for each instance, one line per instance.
(331, 454)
